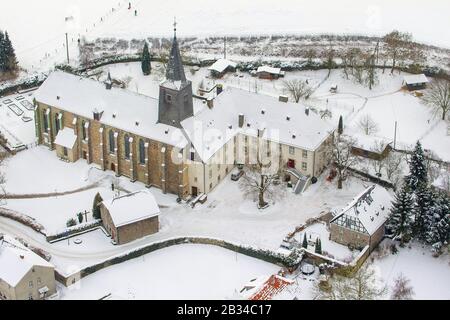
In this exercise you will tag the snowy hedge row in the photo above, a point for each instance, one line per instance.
(73, 230)
(290, 261)
(22, 84)
(23, 219)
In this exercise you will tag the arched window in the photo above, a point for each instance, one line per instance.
(141, 151)
(127, 146)
(57, 123)
(83, 130)
(44, 116)
(112, 142)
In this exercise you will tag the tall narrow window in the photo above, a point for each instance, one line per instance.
(44, 115)
(57, 123)
(83, 129)
(112, 142)
(127, 146)
(141, 151)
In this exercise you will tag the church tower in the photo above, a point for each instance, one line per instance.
(175, 93)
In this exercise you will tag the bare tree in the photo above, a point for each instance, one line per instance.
(397, 46)
(85, 53)
(259, 177)
(297, 89)
(402, 290)
(367, 125)
(379, 164)
(438, 97)
(343, 156)
(310, 55)
(393, 165)
(361, 285)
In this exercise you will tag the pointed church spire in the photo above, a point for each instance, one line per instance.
(175, 70)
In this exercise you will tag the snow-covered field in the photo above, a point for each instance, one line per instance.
(38, 28)
(429, 276)
(180, 272)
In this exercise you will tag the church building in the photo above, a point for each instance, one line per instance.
(171, 143)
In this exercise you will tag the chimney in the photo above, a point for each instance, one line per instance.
(219, 89)
(241, 120)
(307, 111)
(210, 103)
(97, 115)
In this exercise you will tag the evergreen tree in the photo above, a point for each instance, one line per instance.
(400, 220)
(341, 125)
(80, 217)
(417, 168)
(146, 63)
(318, 248)
(96, 206)
(438, 222)
(8, 60)
(305, 241)
(424, 201)
(2, 52)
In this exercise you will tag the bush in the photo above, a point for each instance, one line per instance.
(71, 222)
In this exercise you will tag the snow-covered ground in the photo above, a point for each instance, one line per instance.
(38, 29)
(225, 207)
(180, 272)
(12, 125)
(429, 276)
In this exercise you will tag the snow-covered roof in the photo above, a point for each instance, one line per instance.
(368, 142)
(415, 78)
(282, 122)
(120, 107)
(132, 207)
(370, 208)
(269, 69)
(221, 65)
(16, 260)
(264, 287)
(66, 138)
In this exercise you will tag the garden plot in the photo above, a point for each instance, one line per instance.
(330, 248)
(179, 272)
(429, 276)
(54, 212)
(13, 122)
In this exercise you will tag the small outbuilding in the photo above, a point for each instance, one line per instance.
(221, 67)
(371, 147)
(415, 81)
(131, 216)
(266, 72)
(362, 222)
(65, 144)
(23, 274)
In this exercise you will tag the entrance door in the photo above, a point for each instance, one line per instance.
(113, 167)
(194, 191)
(84, 155)
(291, 163)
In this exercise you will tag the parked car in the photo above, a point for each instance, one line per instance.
(235, 176)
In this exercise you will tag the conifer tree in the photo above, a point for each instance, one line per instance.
(400, 219)
(438, 223)
(417, 168)
(318, 248)
(305, 241)
(146, 63)
(341, 125)
(2, 52)
(424, 201)
(96, 206)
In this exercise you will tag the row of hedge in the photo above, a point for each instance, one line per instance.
(290, 261)
(23, 219)
(73, 230)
